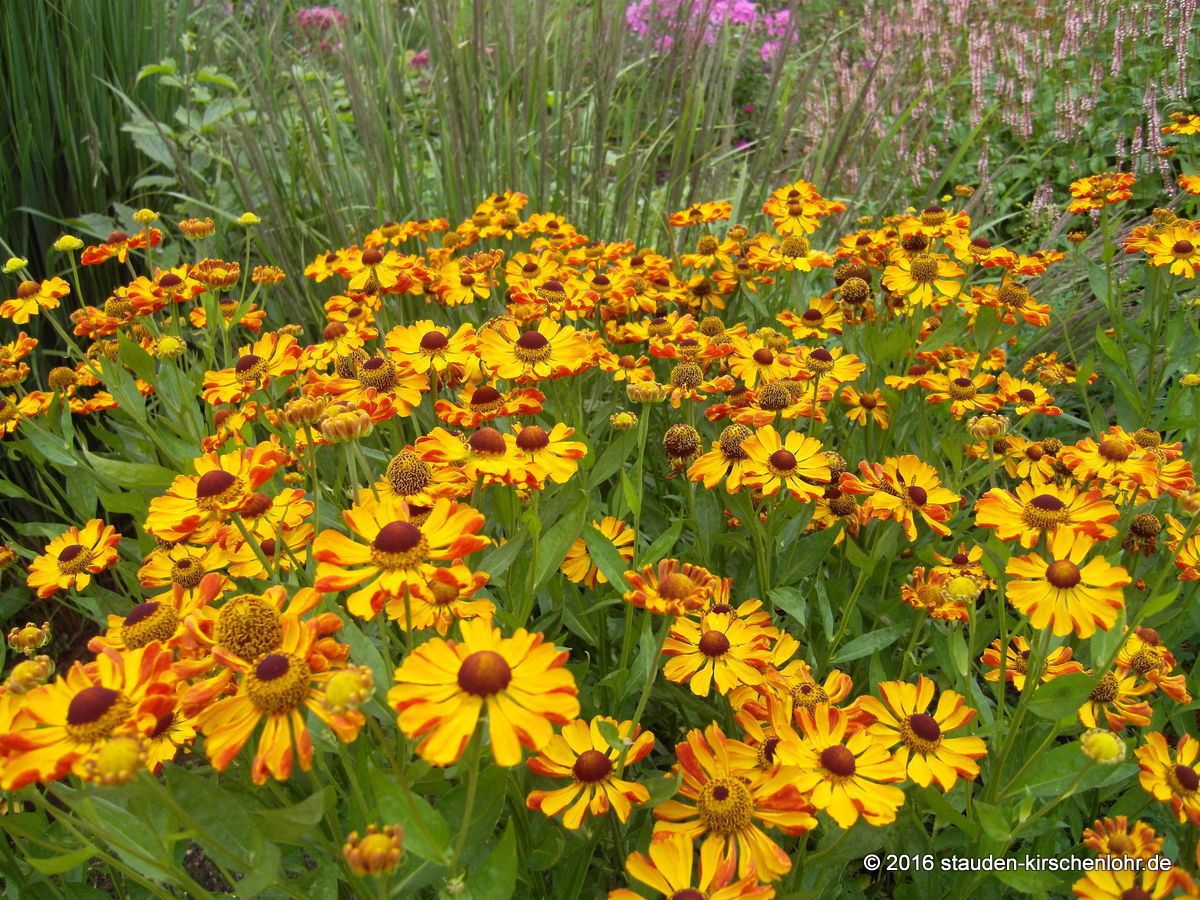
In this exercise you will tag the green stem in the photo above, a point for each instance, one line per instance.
(473, 751)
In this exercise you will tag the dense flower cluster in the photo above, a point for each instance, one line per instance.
(454, 389)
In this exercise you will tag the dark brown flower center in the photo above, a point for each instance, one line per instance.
(484, 395)
(397, 537)
(487, 441)
(433, 341)
(532, 340)
(372, 257)
(838, 760)
(90, 704)
(533, 438)
(925, 727)
(918, 495)
(764, 357)
(592, 766)
(214, 483)
(140, 612)
(1063, 574)
(271, 666)
(1187, 778)
(783, 460)
(70, 552)
(484, 673)
(713, 643)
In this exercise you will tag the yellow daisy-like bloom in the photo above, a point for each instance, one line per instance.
(865, 407)
(1115, 837)
(584, 755)
(426, 346)
(1190, 184)
(753, 361)
(1097, 191)
(718, 647)
(1016, 663)
(578, 565)
(1177, 247)
(797, 463)
(822, 318)
(195, 507)
(443, 687)
(1064, 595)
(725, 795)
(669, 867)
(963, 393)
(671, 587)
(1118, 699)
(378, 852)
(921, 278)
(71, 559)
(1126, 884)
(725, 461)
(547, 455)
(899, 488)
(452, 591)
(1172, 778)
(919, 738)
(847, 776)
(32, 297)
(395, 554)
(549, 351)
(274, 689)
(68, 718)
(274, 355)
(487, 456)
(1039, 509)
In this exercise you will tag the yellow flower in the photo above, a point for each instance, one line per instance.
(1102, 746)
(444, 687)
(68, 243)
(247, 219)
(15, 264)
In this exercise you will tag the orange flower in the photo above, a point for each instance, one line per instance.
(273, 355)
(118, 246)
(443, 687)
(1097, 191)
(725, 795)
(396, 555)
(32, 297)
(1063, 594)
(1016, 663)
(1043, 509)
(671, 587)
(274, 689)
(900, 488)
(583, 754)
(196, 506)
(71, 559)
(580, 568)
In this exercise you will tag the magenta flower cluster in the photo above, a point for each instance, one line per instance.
(664, 21)
(320, 27)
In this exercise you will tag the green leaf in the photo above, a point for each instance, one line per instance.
(806, 555)
(631, 493)
(992, 820)
(605, 555)
(130, 474)
(166, 67)
(49, 445)
(792, 602)
(558, 540)
(1061, 697)
(662, 789)
(292, 824)
(665, 542)
(869, 643)
(496, 877)
(426, 833)
(58, 865)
